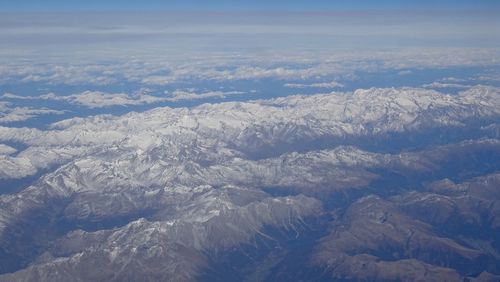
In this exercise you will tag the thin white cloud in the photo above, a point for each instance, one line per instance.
(180, 95)
(94, 99)
(14, 114)
(451, 79)
(332, 84)
(405, 72)
(99, 99)
(157, 80)
(445, 85)
(488, 77)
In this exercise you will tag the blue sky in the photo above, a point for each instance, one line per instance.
(76, 5)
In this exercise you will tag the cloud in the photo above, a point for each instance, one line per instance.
(160, 71)
(405, 72)
(452, 79)
(445, 85)
(99, 99)
(495, 77)
(332, 84)
(13, 114)
(180, 95)
(94, 99)
(157, 80)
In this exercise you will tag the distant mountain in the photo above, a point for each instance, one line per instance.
(377, 184)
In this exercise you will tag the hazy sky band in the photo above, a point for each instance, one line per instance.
(90, 27)
(229, 5)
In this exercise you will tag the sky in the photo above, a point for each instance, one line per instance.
(56, 28)
(228, 5)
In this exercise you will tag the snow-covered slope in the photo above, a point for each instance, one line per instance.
(152, 193)
(214, 131)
